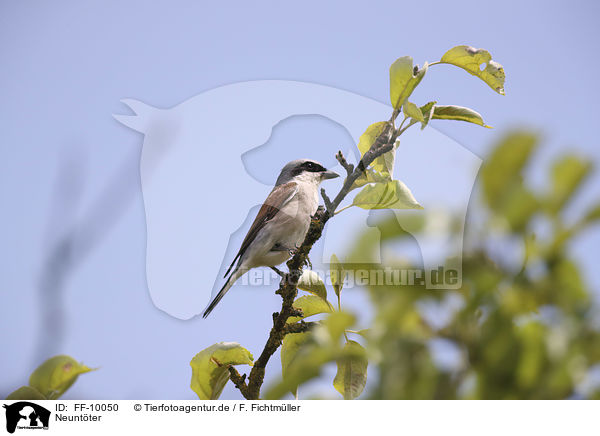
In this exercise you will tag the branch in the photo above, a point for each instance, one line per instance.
(238, 380)
(288, 287)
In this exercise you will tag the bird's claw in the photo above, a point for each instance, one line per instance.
(294, 251)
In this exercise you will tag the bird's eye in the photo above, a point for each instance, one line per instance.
(310, 165)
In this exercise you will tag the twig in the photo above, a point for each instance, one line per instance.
(327, 201)
(238, 380)
(344, 163)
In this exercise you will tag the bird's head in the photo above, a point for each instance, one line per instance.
(304, 170)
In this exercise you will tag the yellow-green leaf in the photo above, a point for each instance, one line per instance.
(404, 78)
(53, 377)
(592, 214)
(427, 111)
(390, 195)
(370, 176)
(310, 305)
(303, 358)
(568, 173)
(383, 164)
(210, 368)
(473, 61)
(292, 342)
(351, 376)
(334, 325)
(502, 171)
(411, 110)
(26, 393)
(337, 274)
(311, 282)
(458, 113)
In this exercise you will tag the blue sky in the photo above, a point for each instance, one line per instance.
(67, 65)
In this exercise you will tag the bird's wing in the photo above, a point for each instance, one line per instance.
(279, 197)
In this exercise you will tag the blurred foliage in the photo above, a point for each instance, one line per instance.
(520, 327)
(51, 379)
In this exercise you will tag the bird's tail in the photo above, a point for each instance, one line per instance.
(236, 274)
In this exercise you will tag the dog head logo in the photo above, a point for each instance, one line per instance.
(192, 152)
(26, 415)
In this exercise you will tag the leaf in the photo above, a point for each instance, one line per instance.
(311, 282)
(304, 357)
(390, 195)
(333, 327)
(404, 78)
(210, 368)
(383, 164)
(337, 274)
(568, 173)
(501, 173)
(593, 214)
(351, 376)
(411, 110)
(305, 366)
(472, 60)
(292, 343)
(53, 377)
(458, 113)
(370, 176)
(26, 393)
(427, 111)
(310, 305)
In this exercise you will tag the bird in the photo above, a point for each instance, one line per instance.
(281, 223)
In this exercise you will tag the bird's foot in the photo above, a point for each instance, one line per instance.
(294, 251)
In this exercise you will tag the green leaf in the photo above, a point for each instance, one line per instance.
(592, 214)
(501, 172)
(404, 78)
(306, 353)
(334, 325)
(427, 111)
(310, 305)
(337, 274)
(291, 345)
(472, 60)
(311, 282)
(53, 377)
(383, 164)
(568, 173)
(390, 195)
(210, 368)
(458, 113)
(351, 376)
(370, 176)
(26, 393)
(411, 110)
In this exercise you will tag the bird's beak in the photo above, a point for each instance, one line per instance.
(329, 175)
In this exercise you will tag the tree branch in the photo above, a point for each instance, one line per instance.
(288, 287)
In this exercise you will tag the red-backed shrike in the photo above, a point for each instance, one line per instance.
(282, 221)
